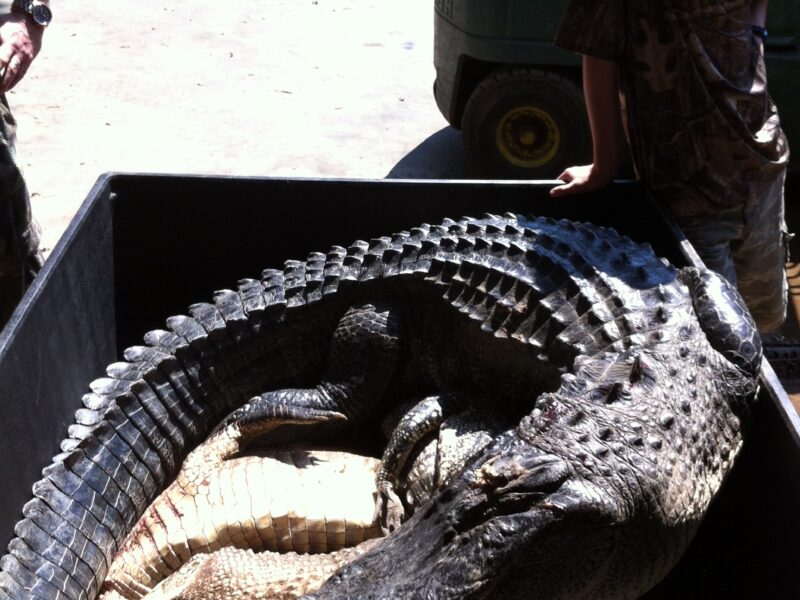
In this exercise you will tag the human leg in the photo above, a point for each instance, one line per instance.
(712, 237)
(759, 255)
(745, 245)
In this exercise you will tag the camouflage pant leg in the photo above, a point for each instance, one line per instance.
(20, 258)
(746, 245)
(760, 258)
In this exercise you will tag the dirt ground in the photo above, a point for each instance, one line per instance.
(301, 88)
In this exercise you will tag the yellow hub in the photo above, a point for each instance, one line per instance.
(528, 137)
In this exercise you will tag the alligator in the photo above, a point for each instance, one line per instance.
(285, 503)
(630, 382)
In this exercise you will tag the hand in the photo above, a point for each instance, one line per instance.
(20, 42)
(585, 178)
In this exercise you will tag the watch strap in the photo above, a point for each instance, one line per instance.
(38, 11)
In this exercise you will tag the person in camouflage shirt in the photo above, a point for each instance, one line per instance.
(20, 258)
(688, 78)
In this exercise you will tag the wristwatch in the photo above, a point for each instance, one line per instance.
(38, 10)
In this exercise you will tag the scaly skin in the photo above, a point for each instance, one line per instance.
(598, 491)
(569, 324)
(266, 575)
(278, 502)
(282, 504)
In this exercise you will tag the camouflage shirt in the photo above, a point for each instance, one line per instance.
(702, 128)
(20, 258)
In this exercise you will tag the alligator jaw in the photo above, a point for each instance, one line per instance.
(470, 535)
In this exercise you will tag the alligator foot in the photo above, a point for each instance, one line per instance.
(389, 510)
(363, 358)
(282, 407)
(421, 420)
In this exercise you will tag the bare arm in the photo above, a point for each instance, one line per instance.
(20, 42)
(601, 87)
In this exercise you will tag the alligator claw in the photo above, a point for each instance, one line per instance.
(389, 510)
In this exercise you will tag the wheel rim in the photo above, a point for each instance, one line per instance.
(528, 137)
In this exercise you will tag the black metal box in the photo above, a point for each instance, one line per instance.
(144, 247)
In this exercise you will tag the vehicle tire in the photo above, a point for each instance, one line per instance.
(525, 123)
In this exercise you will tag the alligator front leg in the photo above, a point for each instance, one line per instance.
(429, 446)
(364, 355)
(422, 419)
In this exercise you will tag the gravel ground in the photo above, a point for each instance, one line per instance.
(305, 88)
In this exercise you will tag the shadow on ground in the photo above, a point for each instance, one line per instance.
(441, 156)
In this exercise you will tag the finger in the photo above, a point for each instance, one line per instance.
(6, 52)
(17, 76)
(12, 72)
(562, 190)
(565, 176)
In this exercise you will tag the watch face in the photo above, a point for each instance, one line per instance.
(42, 14)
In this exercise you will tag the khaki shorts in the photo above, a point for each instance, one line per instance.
(747, 245)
